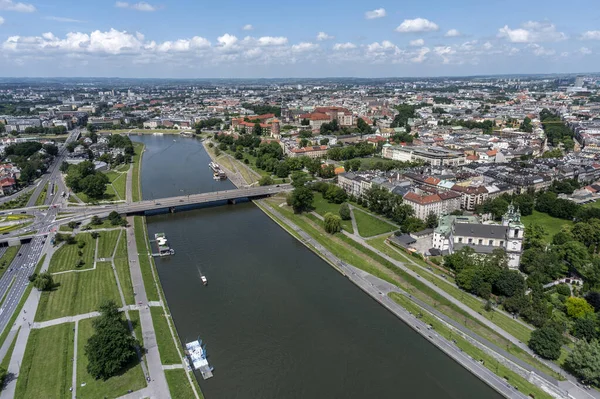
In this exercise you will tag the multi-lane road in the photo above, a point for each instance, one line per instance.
(30, 253)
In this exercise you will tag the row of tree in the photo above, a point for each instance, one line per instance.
(557, 132)
(84, 178)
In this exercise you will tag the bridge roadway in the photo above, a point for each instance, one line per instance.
(184, 200)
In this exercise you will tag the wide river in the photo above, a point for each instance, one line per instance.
(278, 321)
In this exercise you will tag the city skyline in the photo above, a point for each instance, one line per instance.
(273, 40)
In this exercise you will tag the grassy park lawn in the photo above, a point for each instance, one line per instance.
(78, 293)
(166, 347)
(122, 266)
(322, 207)
(67, 256)
(47, 367)
(551, 224)
(142, 247)
(106, 224)
(116, 185)
(369, 226)
(134, 316)
(179, 385)
(131, 379)
(107, 243)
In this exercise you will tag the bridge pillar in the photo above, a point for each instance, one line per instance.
(231, 201)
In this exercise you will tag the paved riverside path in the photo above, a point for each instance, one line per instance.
(158, 381)
(571, 385)
(357, 276)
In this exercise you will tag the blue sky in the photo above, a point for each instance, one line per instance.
(266, 38)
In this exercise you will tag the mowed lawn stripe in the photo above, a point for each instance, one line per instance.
(131, 379)
(67, 256)
(78, 293)
(369, 226)
(47, 368)
(122, 266)
(107, 243)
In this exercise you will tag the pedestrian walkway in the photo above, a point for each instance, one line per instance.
(158, 381)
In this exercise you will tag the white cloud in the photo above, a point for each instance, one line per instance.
(247, 27)
(272, 41)
(63, 19)
(374, 14)
(585, 51)
(417, 42)
(304, 46)
(184, 45)
(141, 6)
(324, 36)
(532, 31)
(227, 40)
(541, 51)
(1, 20)
(10, 5)
(344, 46)
(488, 46)
(453, 33)
(420, 56)
(417, 25)
(591, 35)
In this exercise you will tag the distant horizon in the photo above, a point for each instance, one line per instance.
(499, 75)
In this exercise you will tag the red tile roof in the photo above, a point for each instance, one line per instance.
(422, 200)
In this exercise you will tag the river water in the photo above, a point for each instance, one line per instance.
(278, 321)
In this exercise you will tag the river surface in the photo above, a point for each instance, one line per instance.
(277, 321)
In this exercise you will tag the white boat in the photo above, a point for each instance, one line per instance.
(204, 280)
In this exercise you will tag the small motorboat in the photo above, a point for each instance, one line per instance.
(204, 280)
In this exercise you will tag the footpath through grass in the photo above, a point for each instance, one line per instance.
(47, 368)
(369, 226)
(107, 241)
(477, 354)
(131, 379)
(78, 293)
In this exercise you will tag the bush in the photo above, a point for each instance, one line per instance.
(265, 181)
(345, 211)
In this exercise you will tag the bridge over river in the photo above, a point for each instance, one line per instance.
(182, 201)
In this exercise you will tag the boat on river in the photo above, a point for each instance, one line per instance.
(163, 245)
(196, 354)
(204, 280)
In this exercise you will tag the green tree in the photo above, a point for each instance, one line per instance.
(43, 281)
(332, 223)
(584, 361)
(112, 347)
(546, 342)
(345, 211)
(578, 308)
(431, 221)
(257, 130)
(335, 194)
(585, 327)
(304, 122)
(301, 199)
(265, 181)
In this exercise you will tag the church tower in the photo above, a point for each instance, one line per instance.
(514, 236)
